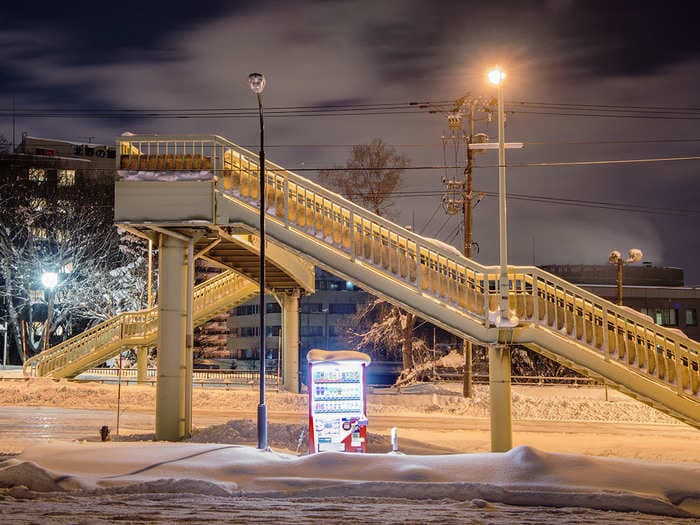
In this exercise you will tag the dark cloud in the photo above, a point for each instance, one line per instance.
(106, 32)
(326, 53)
(630, 38)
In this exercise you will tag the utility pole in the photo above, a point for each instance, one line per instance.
(460, 194)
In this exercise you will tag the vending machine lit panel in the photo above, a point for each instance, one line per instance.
(337, 401)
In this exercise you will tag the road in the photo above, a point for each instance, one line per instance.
(21, 426)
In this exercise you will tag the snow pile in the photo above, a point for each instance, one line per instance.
(552, 403)
(164, 176)
(522, 476)
(281, 436)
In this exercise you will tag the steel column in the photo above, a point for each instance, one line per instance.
(172, 361)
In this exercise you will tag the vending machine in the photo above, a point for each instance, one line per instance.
(337, 401)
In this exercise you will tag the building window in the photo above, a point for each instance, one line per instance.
(691, 317)
(662, 316)
(341, 308)
(37, 175)
(36, 296)
(248, 331)
(311, 308)
(311, 331)
(273, 308)
(40, 233)
(247, 309)
(37, 204)
(272, 331)
(65, 178)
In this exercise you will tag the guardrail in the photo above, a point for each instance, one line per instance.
(208, 377)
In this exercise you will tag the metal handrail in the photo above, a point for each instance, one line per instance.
(130, 328)
(432, 269)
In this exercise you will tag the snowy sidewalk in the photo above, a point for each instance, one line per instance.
(523, 476)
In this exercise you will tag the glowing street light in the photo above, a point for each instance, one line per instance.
(257, 85)
(497, 76)
(615, 257)
(49, 280)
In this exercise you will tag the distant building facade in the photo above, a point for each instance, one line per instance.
(321, 317)
(655, 291)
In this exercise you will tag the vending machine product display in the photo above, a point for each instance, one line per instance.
(337, 401)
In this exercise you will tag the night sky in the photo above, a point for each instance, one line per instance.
(631, 68)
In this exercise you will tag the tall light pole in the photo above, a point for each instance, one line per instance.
(257, 85)
(49, 280)
(497, 76)
(615, 258)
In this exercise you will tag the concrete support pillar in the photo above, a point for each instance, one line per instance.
(290, 347)
(189, 339)
(172, 360)
(142, 364)
(500, 398)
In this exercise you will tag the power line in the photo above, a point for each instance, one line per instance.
(384, 108)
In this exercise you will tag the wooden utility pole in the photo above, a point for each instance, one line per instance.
(467, 210)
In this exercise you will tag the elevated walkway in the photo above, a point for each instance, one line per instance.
(136, 329)
(615, 345)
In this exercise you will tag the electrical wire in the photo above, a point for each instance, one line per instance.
(437, 208)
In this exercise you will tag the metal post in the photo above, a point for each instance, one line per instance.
(502, 229)
(619, 281)
(262, 408)
(48, 319)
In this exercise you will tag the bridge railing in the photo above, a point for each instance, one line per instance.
(440, 271)
(130, 329)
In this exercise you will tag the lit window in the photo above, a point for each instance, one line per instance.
(67, 268)
(40, 233)
(691, 317)
(65, 178)
(36, 296)
(38, 204)
(62, 235)
(37, 175)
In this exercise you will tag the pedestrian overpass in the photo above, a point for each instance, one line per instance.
(195, 193)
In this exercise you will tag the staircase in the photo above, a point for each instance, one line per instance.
(613, 344)
(136, 329)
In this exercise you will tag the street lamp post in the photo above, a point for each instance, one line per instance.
(257, 85)
(497, 76)
(615, 258)
(49, 280)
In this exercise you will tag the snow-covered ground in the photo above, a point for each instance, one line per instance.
(146, 482)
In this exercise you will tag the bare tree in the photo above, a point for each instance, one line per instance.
(100, 272)
(371, 174)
